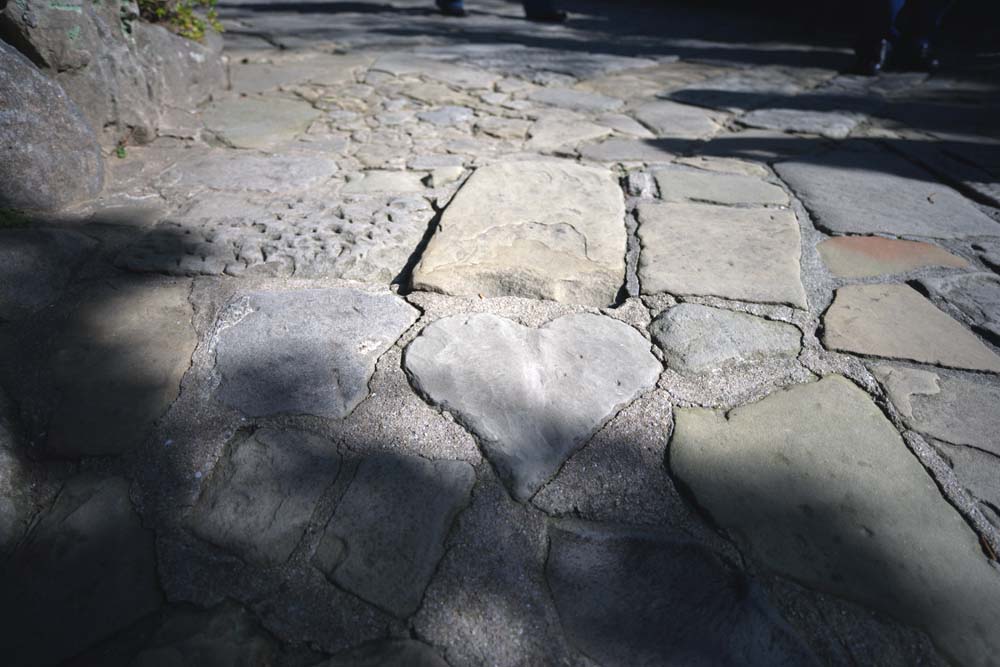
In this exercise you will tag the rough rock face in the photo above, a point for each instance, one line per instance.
(121, 72)
(49, 156)
(549, 388)
(853, 514)
(549, 230)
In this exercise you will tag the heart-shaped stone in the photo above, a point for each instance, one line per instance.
(531, 396)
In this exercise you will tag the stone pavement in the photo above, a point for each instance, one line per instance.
(429, 342)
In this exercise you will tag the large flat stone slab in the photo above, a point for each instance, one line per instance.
(700, 339)
(262, 493)
(258, 122)
(896, 321)
(650, 151)
(115, 365)
(246, 171)
(975, 295)
(35, 266)
(576, 100)
(878, 193)
(839, 504)
(697, 249)
(306, 351)
(531, 396)
(387, 535)
(86, 571)
(695, 607)
(546, 230)
(956, 410)
(678, 185)
(865, 256)
(830, 124)
(671, 120)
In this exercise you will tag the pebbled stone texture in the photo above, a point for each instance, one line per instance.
(305, 351)
(531, 396)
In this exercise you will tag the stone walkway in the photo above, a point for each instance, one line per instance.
(489, 343)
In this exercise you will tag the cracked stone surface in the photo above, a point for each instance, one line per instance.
(534, 414)
(853, 511)
(305, 352)
(867, 256)
(678, 185)
(748, 254)
(829, 124)
(865, 192)
(896, 321)
(550, 230)
(257, 123)
(699, 339)
(387, 535)
(261, 497)
(975, 295)
(670, 120)
(698, 608)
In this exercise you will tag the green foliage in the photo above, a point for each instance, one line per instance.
(188, 18)
(10, 218)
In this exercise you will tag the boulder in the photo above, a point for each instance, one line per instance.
(49, 156)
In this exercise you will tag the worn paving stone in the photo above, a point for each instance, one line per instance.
(532, 396)
(35, 266)
(305, 351)
(113, 366)
(979, 472)
(386, 182)
(629, 150)
(857, 515)
(670, 120)
(697, 249)
(406, 64)
(321, 69)
(679, 184)
(504, 128)
(953, 409)
(447, 115)
(975, 295)
(389, 653)
(697, 608)
(896, 321)
(550, 133)
(869, 192)
(256, 122)
(625, 125)
(546, 229)
(356, 237)
(387, 535)
(576, 100)
(243, 171)
(262, 494)
(86, 571)
(725, 165)
(867, 256)
(700, 339)
(830, 124)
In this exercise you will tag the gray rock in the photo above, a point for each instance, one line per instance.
(953, 409)
(670, 120)
(857, 515)
(699, 339)
(387, 535)
(629, 150)
(262, 493)
(975, 295)
(550, 133)
(258, 122)
(678, 184)
(389, 653)
(576, 100)
(406, 64)
(697, 609)
(979, 473)
(112, 366)
(448, 115)
(697, 249)
(519, 389)
(49, 156)
(35, 266)
(830, 124)
(306, 351)
(17, 502)
(86, 570)
(545, 230)
(896, 321)
(243, 171)
(382, 182)
(877, 193)
(368, 239)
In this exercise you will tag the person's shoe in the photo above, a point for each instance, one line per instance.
(546, 16)
(456, 9)
(922, 59)
(871, 62)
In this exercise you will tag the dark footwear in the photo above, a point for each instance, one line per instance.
(922, 59)
(456, 9)
(871, 61)
(549, 16)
